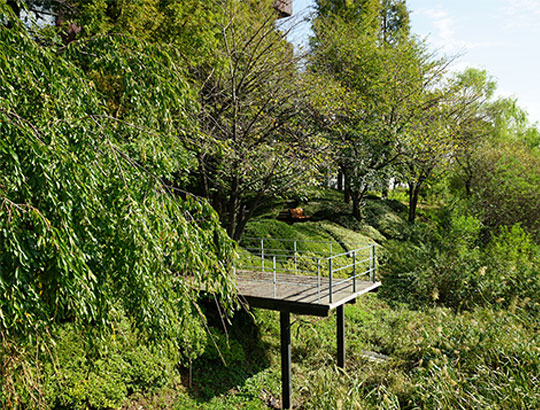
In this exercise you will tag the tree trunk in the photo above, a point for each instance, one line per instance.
(340, 181)
(232, 207)
(347, 191)
(357, 204)
(414, 191)
(468, 190)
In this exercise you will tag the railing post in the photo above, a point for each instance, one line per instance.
(354, 271)
(330, 280)
(275, 277)
(295, 271)
(319, 280)
(331, 252)
(262, 254)
(373, 263)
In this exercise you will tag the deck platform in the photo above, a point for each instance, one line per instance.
(279, 276)
(299, 294)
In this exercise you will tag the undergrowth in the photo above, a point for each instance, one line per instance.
(455, 325)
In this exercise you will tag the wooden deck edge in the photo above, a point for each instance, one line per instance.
(301, 308)
(352, 297)
(298, 308)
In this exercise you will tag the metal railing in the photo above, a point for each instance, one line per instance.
(291, 259)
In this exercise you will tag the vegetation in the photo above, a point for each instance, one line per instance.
(142, 141)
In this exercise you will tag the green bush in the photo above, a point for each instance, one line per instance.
(446, 264)
(511, 274)
(387, 218)
(80, 371)
(436, 266)
(506, 185)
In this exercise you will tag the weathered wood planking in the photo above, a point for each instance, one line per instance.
(297, 293)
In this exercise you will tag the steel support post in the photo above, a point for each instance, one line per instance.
(285, 322)
(340, 320)
(262, 254)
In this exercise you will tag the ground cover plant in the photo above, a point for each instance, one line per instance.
(144, 143)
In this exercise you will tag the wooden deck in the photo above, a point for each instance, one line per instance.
(297, 293)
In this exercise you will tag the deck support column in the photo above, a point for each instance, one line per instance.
(285, 324)
(340, 320)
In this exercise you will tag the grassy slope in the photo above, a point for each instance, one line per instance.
(438, 359)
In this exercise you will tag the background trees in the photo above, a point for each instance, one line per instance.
(388, 80)
(255, 141)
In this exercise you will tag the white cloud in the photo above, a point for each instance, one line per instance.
(446, 35)
(522, 14)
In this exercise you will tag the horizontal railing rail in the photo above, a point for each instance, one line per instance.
(351, 264)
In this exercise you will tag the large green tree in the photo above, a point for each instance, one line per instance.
(385, 77)
(255, 143)
(89, 222)
(474, 119)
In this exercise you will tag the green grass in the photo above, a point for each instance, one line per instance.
(438, 359)
(484, 358)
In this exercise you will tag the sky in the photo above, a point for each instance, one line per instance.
(499, 36)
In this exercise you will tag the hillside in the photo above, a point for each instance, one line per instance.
(150, 149)
(398, 355)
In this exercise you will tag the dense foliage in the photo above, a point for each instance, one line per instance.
(89, 225)
(140, 138)
(448, 264)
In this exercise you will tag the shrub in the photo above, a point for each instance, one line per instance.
(439, 265)
(511, 274)
(506, 185)
(80, 372)
(445, 264)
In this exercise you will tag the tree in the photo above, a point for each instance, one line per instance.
(473, 119)
(384, 75)
(390, 18)
(449, 131)
(89, 225)
(255, 141)
(427, 146)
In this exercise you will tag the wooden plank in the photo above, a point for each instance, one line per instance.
(297, 293)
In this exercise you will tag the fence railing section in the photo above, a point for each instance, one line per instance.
(333, 270)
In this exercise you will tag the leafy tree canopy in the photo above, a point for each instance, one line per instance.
(89, 223)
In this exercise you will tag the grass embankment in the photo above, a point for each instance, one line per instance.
(485, 356)
(441, 354)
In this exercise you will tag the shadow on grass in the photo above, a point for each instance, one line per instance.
(244, 352)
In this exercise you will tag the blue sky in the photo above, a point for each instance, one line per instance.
(500, 36)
